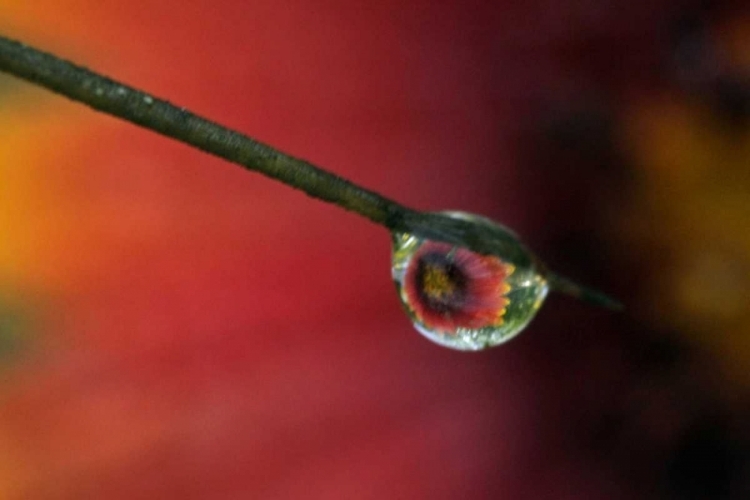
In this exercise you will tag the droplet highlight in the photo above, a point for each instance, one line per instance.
(462, 299)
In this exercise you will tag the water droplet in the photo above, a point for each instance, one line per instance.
(463, 299)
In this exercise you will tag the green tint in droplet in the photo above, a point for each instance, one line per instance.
(463, 299)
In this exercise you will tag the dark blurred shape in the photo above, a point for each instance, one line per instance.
(692, 56)
(700, 66)
(578, 134)
(669, 428)
(575, 164)
(731, 98)
(709, 463)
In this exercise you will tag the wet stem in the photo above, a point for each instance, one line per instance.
(158, 115)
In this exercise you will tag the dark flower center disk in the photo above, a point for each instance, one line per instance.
(440, 283)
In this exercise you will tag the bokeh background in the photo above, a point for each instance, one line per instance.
(174, 327)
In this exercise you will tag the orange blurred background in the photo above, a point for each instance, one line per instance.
(174, 327)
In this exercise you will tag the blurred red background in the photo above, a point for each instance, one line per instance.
(174, 327)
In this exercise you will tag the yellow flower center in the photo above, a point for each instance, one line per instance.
(436, 282)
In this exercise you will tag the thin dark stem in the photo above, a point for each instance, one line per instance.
(156, 114)
(568, 287)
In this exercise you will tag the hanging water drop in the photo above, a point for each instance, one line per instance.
(464, 299)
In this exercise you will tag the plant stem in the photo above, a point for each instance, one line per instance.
(158, 115)
(568, 287)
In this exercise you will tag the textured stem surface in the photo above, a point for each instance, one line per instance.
(158, 115)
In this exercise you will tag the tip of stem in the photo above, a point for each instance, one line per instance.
(573, 289)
